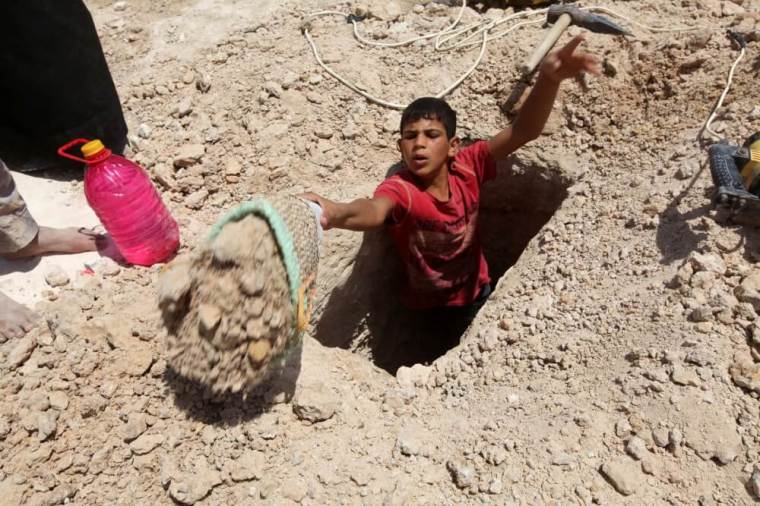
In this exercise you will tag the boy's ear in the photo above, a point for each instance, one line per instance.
(454, 145)
(398, 145)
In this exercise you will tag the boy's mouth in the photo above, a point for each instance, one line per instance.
(419, 160)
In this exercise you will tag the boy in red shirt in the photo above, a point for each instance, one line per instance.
(431, 207)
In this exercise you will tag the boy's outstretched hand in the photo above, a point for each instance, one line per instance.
(566, 63)
(328, 208)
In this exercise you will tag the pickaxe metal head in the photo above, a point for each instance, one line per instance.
(585, 19)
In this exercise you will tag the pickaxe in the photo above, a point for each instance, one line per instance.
(562, 16)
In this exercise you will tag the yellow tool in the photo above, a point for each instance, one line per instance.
(751, 169)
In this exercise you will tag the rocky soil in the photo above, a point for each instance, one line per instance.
(617, 362)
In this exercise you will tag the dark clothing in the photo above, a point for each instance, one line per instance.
(54, 81)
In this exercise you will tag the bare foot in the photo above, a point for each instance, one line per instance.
(59, 240)
(15, 319)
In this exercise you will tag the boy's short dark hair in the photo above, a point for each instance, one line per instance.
(431, 108)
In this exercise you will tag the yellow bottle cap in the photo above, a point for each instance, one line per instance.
(92, 148)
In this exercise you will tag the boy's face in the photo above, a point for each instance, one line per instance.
(425, 147)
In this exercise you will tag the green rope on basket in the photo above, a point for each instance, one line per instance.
(284, 240)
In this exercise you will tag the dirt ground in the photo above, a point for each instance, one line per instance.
(617, 361)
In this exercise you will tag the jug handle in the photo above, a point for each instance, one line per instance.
(62, 150)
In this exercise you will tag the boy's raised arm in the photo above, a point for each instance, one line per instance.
(558, 65)
(359, 214)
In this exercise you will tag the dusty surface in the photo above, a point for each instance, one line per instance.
(616, 362)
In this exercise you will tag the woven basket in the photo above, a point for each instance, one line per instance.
(236, 306)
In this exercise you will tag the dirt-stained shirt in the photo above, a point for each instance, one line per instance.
(439, 241)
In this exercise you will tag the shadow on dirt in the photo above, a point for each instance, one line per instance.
(229, 410)
(677, 238)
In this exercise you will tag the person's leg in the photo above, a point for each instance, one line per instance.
(21, 237)
(17, 227)
(15, 319)
(17, 230)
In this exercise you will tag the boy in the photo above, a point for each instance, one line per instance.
(431, 207)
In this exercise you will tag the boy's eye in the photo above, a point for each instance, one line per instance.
(409, 135)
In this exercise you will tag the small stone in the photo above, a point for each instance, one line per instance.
(106, 267)
(46, 425)
(191, 489)
(249, 466)
(725, 455)
(185, 107)
(55, 276)
(144, 131)
(273, 89)
(209, 317)
(134, 427)
(5, 427)
(746, 374)
(409, 441)
(203, 83)
(496, 486)
(189, 155)
(137, 360)
(749, 290)
(350, 131)
(314, 403)
(463, 475)
(188, 77)
(59, 400)
(660, 437)
(232, 168)
(392, 122)
(701, 314)
(196, 199)
(158, 368)
(709, 262)
(323, 132)
(675, 438)
(21, 351)
(623, 428)
(208, 435)
(754, 482)
(636, 448)
(146, 443)
(120, 6)
(623, 475)
(684, 377)
(494, 455)
(488, 339)
(295, 489)
(415, 376)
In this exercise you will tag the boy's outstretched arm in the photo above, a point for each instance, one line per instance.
(360, 214)
(557, 66)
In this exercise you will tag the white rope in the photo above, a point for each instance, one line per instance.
(719, 103)
(463, 39)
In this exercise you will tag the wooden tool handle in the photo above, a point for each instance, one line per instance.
(551, 38)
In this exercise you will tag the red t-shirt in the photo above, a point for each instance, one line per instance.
(439, 241)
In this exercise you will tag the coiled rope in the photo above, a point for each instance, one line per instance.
(455, 37)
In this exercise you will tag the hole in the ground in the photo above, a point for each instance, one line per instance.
(364, 313)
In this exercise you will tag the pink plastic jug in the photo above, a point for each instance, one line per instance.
(127, 204)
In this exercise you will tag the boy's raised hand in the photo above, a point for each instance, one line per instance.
(566, 63)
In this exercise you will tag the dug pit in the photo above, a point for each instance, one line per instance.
(362, 311)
